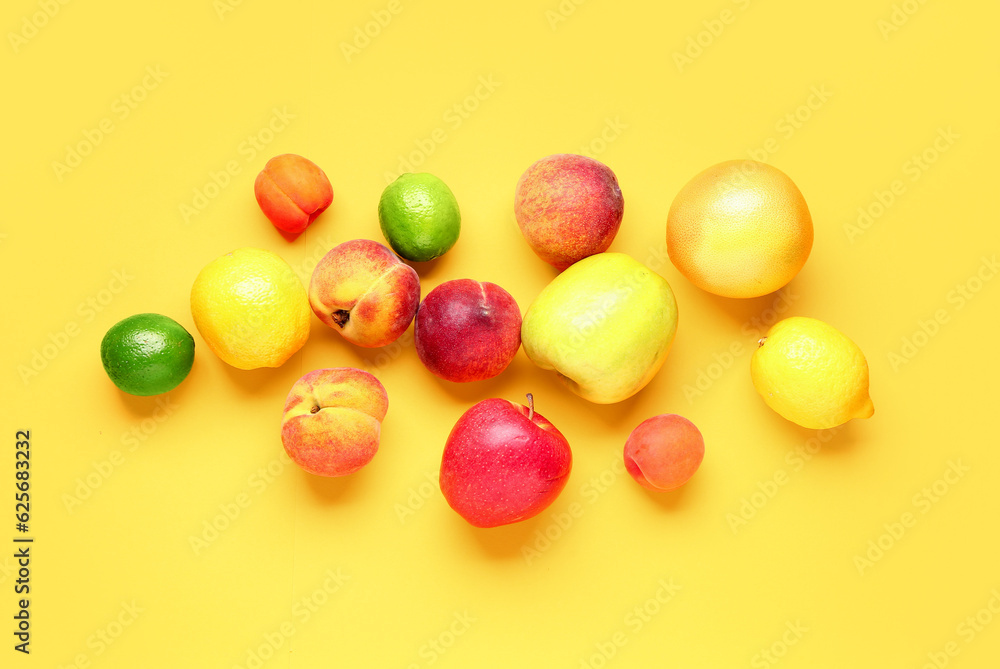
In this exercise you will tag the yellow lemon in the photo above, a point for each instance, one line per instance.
(811, 373)
(251, 308)
(739, 229)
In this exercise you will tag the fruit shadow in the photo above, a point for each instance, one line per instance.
(339, 490)
(502, 385)
(504, 542)
(743, 310)
(671, 501)
(257, 381)
(840, 440)
(144, 406)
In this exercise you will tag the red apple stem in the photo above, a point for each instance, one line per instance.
(531, 406)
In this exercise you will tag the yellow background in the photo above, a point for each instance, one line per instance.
(597, 77)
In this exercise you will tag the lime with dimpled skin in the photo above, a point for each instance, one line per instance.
(147, 354)
(419, 217)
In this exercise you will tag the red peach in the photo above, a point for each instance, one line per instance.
(467, 331)
(333, 419)
(664, 451)
(568, 207)
(292, 191)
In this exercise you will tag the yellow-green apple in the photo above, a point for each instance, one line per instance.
(333, 419)
(467, 331)
(605, 325)
(364, 292)
(664, 451)
(292, 191)
(568, 207)
(503, 462)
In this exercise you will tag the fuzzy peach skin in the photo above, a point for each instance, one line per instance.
(568, 207)
(292, 191)
(467, 331)
(364, 292)
(333, 419)
(664, 451)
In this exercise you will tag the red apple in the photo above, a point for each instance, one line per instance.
(503, 463)
(467, 331)
(664, 451)
(568, 207)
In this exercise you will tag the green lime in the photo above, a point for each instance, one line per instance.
(419, 216)
(147, 354)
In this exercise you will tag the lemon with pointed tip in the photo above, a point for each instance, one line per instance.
(251, 308)
(811, 373)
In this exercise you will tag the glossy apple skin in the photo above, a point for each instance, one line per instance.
(664, 452)
(333, 420)
(467, 331)
(500, 467)
(292, 191)
(364, 292)
(568, 207)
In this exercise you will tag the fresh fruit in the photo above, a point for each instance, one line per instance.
(664, 451)
(419, 216)
(739, 229)
(811, 373)
(605, 325)
(503, 463)
(251, 308)
(292, 191)
(147, 354)
(364, 292)
(568, 207)
(333, 420)
(467, 330)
